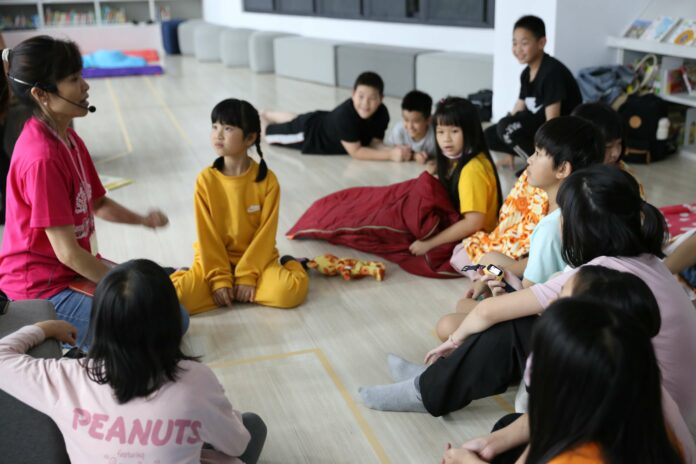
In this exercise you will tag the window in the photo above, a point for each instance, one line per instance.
(339, 8)
(259, 5)
(296, 6)
(468, 13)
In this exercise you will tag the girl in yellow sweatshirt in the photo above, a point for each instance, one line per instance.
(236, 205)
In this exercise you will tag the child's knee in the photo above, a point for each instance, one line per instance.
(447, 325)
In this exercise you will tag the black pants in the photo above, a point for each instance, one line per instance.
(485, 364)
(258, 431)
(514, 134)
(510, 456)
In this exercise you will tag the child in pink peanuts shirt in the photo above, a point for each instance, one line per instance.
(135, 395)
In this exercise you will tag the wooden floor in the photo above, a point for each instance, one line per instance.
(299, 369)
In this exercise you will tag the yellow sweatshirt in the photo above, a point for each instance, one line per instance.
(236, 223)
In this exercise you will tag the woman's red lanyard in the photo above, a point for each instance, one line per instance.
(81, 174)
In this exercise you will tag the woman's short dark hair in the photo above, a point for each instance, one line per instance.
(595, 379)
(571, 139)
(605, 118)
(137, 331)
(460, 112)
(41, 62)
(604, 215)
(241, 114)
(622, 290)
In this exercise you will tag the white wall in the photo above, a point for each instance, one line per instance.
(576, 31)
(506, 69)
(476, 40)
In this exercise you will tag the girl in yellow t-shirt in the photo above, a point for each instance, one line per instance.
(236, 205)
(465, 168)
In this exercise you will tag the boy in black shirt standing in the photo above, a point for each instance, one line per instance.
(547, 90)
(356, 126)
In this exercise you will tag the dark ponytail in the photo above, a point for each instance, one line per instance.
(4, 86)
(263, 169)
(241, 114)
(654, 228)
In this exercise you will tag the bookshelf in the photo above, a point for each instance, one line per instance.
(22, 15)
(670, 56)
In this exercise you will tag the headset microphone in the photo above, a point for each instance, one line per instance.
(54, 90)
(90, 108)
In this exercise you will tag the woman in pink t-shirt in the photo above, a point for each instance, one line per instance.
(135, 394)
(53, 190)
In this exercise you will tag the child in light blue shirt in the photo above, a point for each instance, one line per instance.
(414, 130)
(545, 257)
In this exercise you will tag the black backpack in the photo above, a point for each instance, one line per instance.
(641, 115)
(483, 101)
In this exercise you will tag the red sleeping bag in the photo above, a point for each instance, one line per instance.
(385, 221)
(680, 218)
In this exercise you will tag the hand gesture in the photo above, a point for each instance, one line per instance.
(223, 297)
(62, 331)
(441, 351)
(421, 157)
(401, 153)
(460, 456)
(155, 219)
(497, 287)
(419, 247)
(479, 288)
(245, 293)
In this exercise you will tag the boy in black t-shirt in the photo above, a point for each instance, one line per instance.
(356, 126)
(547, 90)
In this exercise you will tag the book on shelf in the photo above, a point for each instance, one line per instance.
(637, 28)
(672, 81)
(684, 33)
(69, 18)
(688, 72)
(660, 28)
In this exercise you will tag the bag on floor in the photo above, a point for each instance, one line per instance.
(483, 101)
(604, 83)
(646, 129)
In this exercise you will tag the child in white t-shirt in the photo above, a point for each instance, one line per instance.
(135, 393)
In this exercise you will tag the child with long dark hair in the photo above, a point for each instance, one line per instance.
(135, 392)
(616, 291)
(586, 402)
(236, 204)
(466, 170)
(605, 222)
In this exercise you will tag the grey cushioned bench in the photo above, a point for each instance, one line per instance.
(185, 35)
(29, 436)
(234, 47)
(396, 65)
(306, 58)
(453, 73)
(206, 42)
(261, 50)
